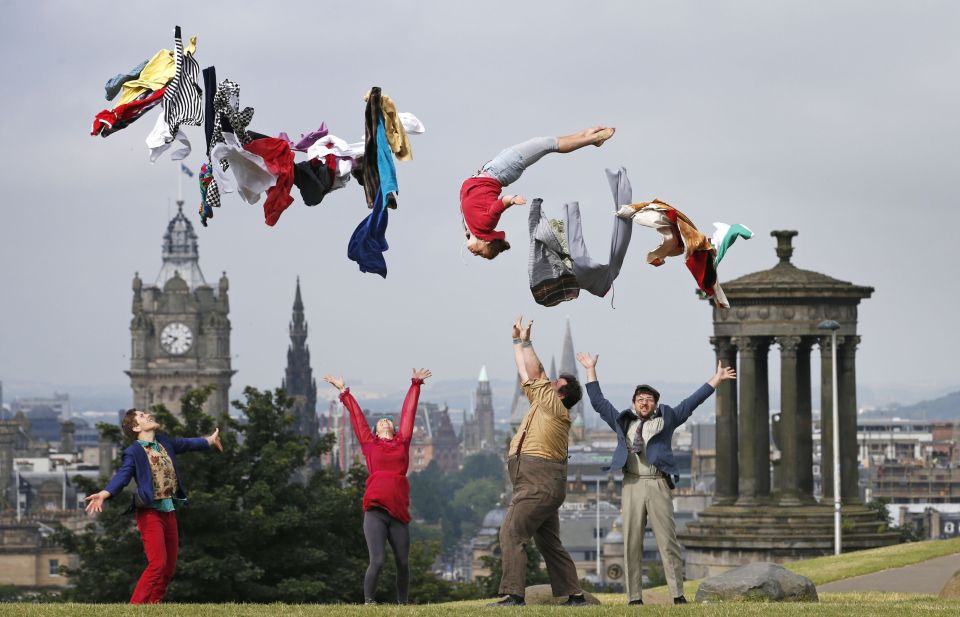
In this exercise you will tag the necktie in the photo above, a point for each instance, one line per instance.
(638, 439)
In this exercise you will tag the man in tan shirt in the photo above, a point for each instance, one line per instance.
(537, 464)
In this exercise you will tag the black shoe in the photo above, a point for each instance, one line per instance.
(575, 600)
(510, 600)
(635, 602)
(680, 600)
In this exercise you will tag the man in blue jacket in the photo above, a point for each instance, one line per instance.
(645, 454)
(151, 460)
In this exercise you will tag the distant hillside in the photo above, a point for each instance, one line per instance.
(946, 407)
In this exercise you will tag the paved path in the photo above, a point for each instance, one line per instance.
(925, 577)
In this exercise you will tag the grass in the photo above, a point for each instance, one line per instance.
(822, 570)
(839, 605)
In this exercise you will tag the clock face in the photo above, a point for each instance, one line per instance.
(176, 338)
(614, 572)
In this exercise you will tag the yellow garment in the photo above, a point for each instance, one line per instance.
(546, 426)
(159, 70)
(396, 134)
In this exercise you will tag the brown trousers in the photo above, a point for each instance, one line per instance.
(539, 488)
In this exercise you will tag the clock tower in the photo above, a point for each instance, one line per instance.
(180, 331)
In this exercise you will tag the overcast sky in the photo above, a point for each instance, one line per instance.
(839, 120)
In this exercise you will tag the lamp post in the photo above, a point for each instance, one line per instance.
(829, 324)
(599, 575)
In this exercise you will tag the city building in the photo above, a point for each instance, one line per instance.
(180, 331)
(298, 382)
(433, 439)
(478, 429)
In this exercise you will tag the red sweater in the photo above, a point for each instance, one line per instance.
(481, 206)
(387, 459)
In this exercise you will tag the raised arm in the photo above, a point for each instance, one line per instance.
(599, 403)
(359, 423)
(689, 404)
(409, 412)
(528, 363)
(193, 444)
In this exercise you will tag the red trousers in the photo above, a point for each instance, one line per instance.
(158, 530)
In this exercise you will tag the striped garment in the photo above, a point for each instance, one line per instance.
(183, 100)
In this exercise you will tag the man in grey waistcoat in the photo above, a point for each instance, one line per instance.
(645, 454)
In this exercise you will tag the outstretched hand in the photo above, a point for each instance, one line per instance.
(214, 440)
(95, 502)
(422, 374)
(336, 382)
(723, 374)
(587, 360)
(519, 200)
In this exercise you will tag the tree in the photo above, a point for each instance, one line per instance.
(264, 523)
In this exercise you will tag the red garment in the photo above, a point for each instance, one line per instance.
(481, 206)
(112, 120)
(387, 459)
(278, 156)
(158, 530)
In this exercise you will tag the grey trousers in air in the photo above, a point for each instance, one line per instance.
(539, 488)
(646, 498)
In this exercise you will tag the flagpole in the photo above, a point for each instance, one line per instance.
(179, 184)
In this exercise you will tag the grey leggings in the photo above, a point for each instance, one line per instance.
(507, 166)
(380, 528)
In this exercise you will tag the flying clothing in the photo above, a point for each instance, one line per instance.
(183, 100)
(679, 236)
(369, 166)
(725, 235)
(206, 208)
(112, 87)
(560, 264)
(277, 155)
(158, 71)
(250, 177)
(549, 267)
(160, 140)
(110, 121)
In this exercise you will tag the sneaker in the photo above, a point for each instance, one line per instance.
(680, 600)
(368, 601)
(510, 600)
(638, 602)
(575, 600)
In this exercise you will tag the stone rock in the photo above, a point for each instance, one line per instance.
(543, 594)
(951, 591)
(761, 581)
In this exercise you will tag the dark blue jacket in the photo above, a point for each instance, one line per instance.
(136, 465)
(660, 446)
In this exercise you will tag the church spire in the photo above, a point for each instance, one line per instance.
(568, 364)
(298, 381)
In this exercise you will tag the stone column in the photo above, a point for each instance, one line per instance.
(789, 421)
(826, 417)
(847, 394)
(748, 425)
(727, 469)
(761, 458)
(804, 422)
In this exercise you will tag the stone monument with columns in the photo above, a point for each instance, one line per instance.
(751, 518)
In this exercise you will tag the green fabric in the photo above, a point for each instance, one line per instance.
(730, 235)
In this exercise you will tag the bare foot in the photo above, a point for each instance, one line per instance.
(603, 135)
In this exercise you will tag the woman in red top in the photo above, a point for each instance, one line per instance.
(480, 200)
(386, 501)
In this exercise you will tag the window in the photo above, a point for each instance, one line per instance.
(54, 567)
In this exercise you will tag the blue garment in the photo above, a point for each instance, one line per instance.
(113, 85)
(369, 240)
(136, 465)
(660, 446)
(166, 504)
(385, 165)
